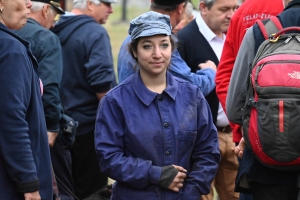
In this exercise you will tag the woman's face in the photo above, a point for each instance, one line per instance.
(154, 54)
(15, 13)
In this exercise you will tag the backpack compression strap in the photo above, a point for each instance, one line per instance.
(269, 26)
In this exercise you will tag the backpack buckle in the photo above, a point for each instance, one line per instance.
(252, 103)
(273, 39)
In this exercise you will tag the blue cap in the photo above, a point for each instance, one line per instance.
(148, 24)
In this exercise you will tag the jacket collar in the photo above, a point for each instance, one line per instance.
(5, 29)
(293, 4)
(146, 96)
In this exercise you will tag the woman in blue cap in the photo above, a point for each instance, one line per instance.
(154, 132)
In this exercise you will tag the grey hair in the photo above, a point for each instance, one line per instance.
(81, 4)
(208, 3)
(36, 6)
(189, 9)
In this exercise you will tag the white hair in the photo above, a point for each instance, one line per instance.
(189, 9)
(36, 6)
(81, 4)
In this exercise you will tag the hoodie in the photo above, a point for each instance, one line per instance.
(88, 67)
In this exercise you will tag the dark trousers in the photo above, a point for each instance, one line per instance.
(61, 161)
(246, 196)
(271, 192)
(86, 172)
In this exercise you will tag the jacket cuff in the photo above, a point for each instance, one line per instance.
(52, 126)
(30, 186)
(102, 88)
(154, 175)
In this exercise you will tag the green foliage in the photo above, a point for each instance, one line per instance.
(195, 3)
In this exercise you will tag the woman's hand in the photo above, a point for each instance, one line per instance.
(177, 182)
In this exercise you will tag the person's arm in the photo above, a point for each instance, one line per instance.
(205, 157)
(126, 62)
(15, 144)
(204, 79)
(224, 73)
(99, 67)
(109, 133)
(238, 83)
(50, 72)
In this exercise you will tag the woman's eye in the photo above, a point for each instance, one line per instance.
(165, 45)
(147, 46)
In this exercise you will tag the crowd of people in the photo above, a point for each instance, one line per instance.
(169, 128)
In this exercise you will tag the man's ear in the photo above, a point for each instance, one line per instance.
(46, 10)
(202, 7)
(89, 5)
(181, 8)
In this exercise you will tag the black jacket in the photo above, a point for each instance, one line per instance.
(194, 49)
(46, 48)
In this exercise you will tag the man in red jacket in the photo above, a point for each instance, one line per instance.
(244, 17)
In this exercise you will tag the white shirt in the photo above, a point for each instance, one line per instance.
(216, 44)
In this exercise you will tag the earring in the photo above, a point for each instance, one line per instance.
(1, 9)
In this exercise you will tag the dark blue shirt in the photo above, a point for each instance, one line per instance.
(139, 131)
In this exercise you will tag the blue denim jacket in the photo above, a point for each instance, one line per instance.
(138, 132)
(204, 79)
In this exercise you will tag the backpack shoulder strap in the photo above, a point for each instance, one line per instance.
(269, 26)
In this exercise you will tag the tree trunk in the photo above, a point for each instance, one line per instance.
(124, 10)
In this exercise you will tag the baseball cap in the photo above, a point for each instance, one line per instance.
(168, 2)
(54, 3)
(150, 23)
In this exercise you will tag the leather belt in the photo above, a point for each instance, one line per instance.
(224, 129)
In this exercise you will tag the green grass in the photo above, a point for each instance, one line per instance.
(195, 3)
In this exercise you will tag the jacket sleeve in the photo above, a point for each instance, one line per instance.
(50, 72)
(204, 79)
(109, 134)
(126, 63)
(225, 69)
(206, 155)
(99, 66)
(223, 76)
(15, 144)
(237, 88)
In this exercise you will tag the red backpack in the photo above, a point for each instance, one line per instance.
(271, 116)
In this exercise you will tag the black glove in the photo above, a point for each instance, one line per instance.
(168, 173)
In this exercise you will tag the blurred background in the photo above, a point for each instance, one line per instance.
(118, 22)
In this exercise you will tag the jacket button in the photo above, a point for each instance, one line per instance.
(167, 153)
(160, 98)
(166, 125)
